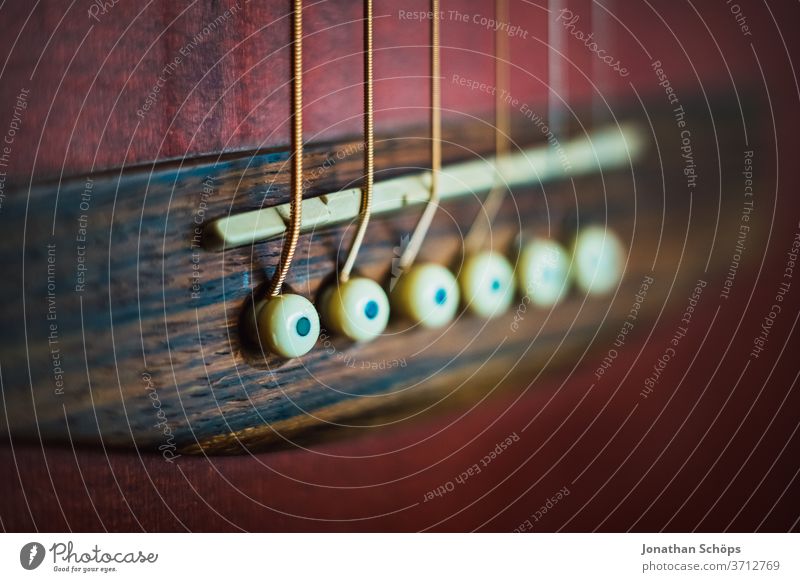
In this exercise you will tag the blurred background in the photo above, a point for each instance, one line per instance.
(702, 437)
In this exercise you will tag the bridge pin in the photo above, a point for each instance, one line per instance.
(598, 260)
(543, 272)
(427, 294)
(357, 309)
(288, 325)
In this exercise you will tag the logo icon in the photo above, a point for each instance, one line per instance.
(31, 555)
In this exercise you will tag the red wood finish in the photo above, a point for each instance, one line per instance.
(88, 77)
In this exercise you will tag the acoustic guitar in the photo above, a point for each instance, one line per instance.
(418, 265)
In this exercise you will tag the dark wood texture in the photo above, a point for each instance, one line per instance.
(148, 341)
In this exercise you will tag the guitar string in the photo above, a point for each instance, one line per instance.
(418, 236)
(476, 236)
(296, 204)
(369, 147)
(557, 95)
